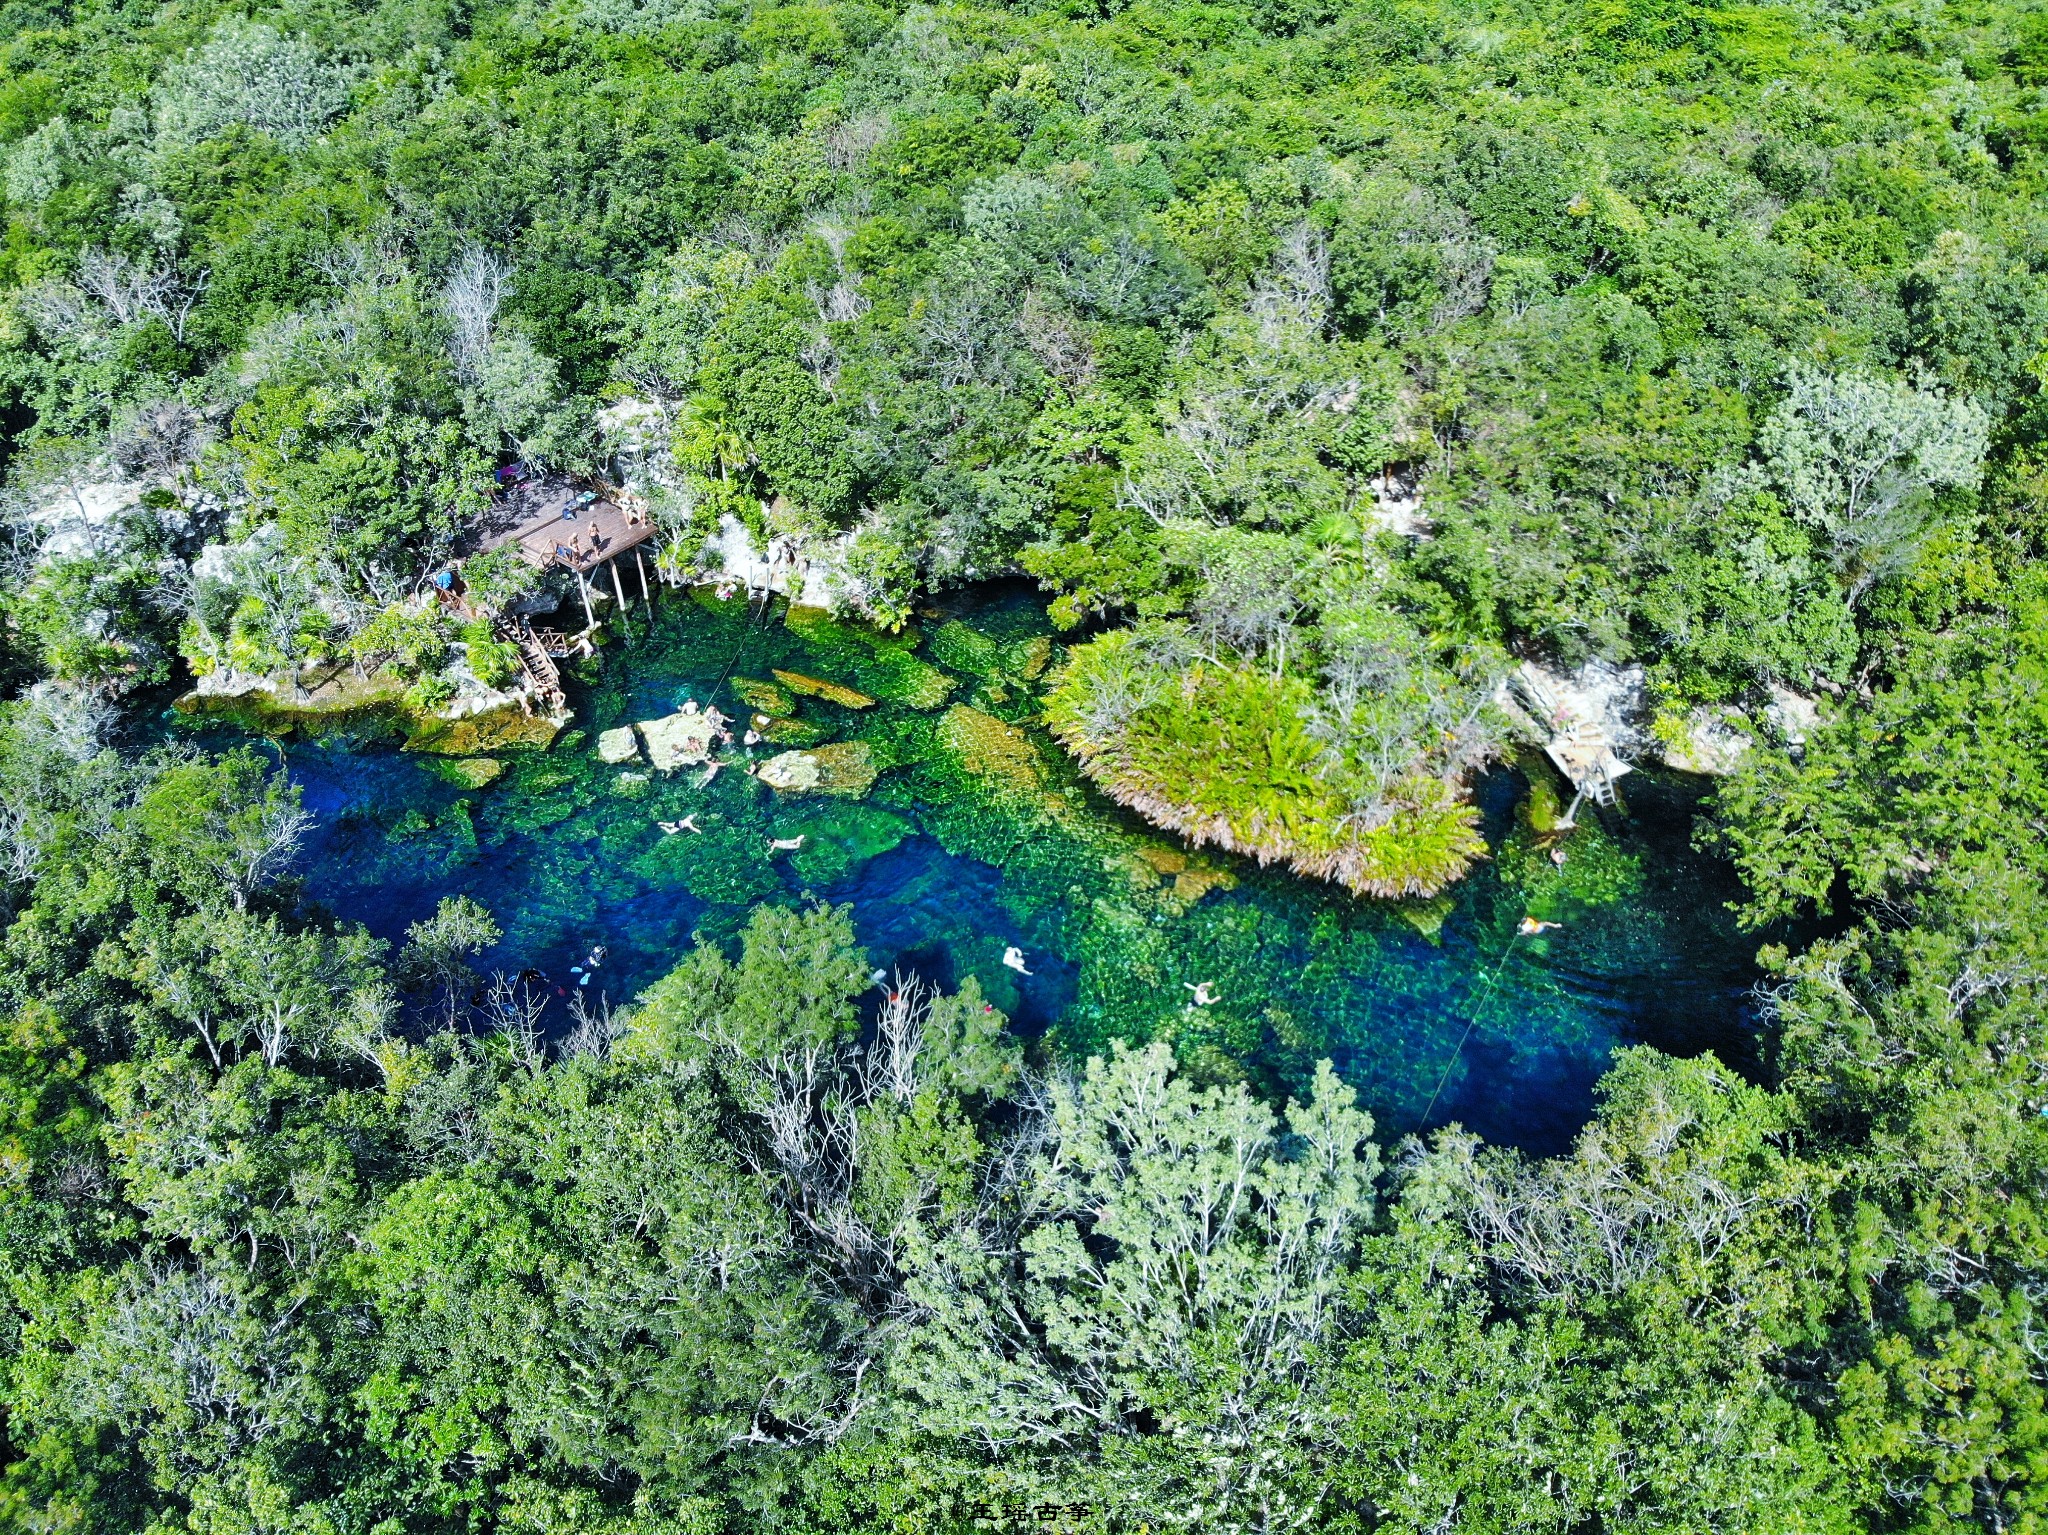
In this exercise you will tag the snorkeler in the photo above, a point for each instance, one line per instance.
(1529, 927)
(1014, 958)
(1205, 992)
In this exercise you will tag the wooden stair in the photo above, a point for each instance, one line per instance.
(537, 659)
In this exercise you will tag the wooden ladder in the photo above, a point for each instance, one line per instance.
(537, 658)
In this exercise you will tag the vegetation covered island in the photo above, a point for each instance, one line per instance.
(1088, 765)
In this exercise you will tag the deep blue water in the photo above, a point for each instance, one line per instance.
(941, 878)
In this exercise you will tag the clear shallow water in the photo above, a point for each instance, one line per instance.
(979, 835)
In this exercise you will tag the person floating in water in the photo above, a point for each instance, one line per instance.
(1557, 856)
(785, 844)
(1205, 992)
(1014, 958)
(687, 823)
(710, 772)
(1529, 927)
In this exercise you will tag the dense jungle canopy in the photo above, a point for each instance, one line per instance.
(1322, 359)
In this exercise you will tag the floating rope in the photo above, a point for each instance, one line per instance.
(1471, 1023)
(754, 622)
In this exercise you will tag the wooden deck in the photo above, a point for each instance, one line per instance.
(558, 529)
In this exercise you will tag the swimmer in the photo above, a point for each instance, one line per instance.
(785, 844)
(1529, 927)
(1557, 856)
(1014, 958)
(1205, 993)
(689, 706)
(878, 977)
(751, 738)
(710, 773)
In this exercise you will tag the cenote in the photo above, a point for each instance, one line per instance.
(978, 834)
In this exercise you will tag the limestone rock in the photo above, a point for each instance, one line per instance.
(615, 746)
(763, 697)
(466, 772)
(844, 768)
(818, 687)
(677, 740)
(495, 730)
(792, 773)
(1792, 714)
(1711, 742)
(788, 732)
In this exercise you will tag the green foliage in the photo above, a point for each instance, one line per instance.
(1266, 765)
(1338, 350)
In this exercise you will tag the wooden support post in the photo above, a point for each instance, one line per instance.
(619, 591)
(641, 566)
(589, 615)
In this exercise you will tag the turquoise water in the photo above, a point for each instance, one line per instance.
(960, 850)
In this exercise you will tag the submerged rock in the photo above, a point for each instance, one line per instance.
(840, 767)
(466, 772)
(1426, 916)
(495, 730)
(763, 697)
(818, 687)
(788, 732)
(678, 740)
(616, 746)
(967, 649)
(900, 677)
(991, 749)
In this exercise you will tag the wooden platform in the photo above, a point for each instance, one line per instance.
(548, 539)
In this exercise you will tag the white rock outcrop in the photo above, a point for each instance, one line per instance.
(677, 740)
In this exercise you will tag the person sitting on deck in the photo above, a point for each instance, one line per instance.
(596, 536)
